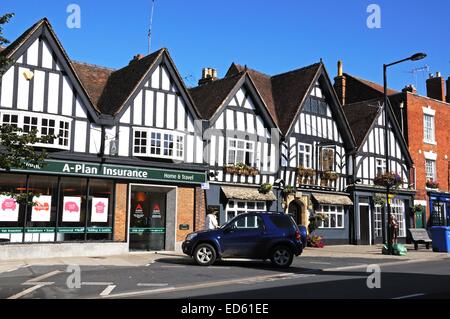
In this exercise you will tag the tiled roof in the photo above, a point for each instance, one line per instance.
(122, 83)
(282, 94)
(93, 77)
(209, 97)
(357, 89)
(360, 116)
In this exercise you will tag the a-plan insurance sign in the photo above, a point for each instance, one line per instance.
(117, 172)
(9, 209)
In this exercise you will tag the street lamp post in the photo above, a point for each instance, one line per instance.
(415, 57)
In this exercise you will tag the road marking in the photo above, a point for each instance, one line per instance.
(28, 291)
(97, 283)
(319, 263)
(151, 285)
(410, 296)
(392, 263)
(207, 285)
(177, 266)
(44, 276)
(107, 290)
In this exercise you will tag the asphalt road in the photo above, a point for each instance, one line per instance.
(178, 277)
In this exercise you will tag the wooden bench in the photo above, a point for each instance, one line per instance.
(420, 236)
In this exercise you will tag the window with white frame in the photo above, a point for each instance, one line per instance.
(44, 125)
(380, 166)
(235, 208)
(240, 151)
(334, 216)
(398, 210)
(162, 144)
(428, 128)
(430, 169)
(304, 155)
(378, 221)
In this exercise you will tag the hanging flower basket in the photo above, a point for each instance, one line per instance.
(432, 184)
(265, 188)
(379, 200)
(388, 179)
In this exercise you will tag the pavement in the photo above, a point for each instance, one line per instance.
(330, 272)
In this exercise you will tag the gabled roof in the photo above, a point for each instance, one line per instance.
(358, 89)
(93, 77)
(211, 96)
(121, 83)
(12, 47)
(361, 116)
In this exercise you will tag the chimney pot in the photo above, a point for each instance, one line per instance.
(208, 75)
(137, 57)
(340, 68)
(410, 88)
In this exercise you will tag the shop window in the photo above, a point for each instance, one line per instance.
(41, 218)
(72, 214)
(100, 201)
(398, 210)
(334, 216)
(11, 213)
(235, 208)
(378, 227)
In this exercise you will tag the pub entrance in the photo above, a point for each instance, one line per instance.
(148, 218)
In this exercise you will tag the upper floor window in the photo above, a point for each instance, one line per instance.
(428, 128)
(430, 169)
(380, 166)
(43, 124)
(240, 151)
(304, 155)
(327, 159)
(316, 105)
(153, 143)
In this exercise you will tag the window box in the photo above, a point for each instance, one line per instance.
(241, 169)
(432, 184)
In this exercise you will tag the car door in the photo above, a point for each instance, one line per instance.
(244, 237)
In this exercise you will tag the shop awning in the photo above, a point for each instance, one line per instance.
(247, 194)
(332, 199)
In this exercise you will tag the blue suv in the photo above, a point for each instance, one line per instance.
(251, 235)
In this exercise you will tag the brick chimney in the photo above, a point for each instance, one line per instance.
(340, 83)
(436, 87)
(137, 57)
(410, 88)
(208, 75)
(448, 90)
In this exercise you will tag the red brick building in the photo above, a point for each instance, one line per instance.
(425, 122)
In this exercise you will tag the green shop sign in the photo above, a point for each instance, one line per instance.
(146, 230)
(11, 230)
(115, 171)
(62, 230)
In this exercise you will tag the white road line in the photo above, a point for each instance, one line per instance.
(410, 296)
(97, 283)
(391, 263)
(178, 266)
(319, 263)
(44, 276)
(207, 285)
(151, 285)
(28, 291)
(107, 290)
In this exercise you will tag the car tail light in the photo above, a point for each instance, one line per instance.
(297, 235)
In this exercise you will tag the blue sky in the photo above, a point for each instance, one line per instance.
(270, 36)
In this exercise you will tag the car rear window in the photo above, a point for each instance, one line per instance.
(282, 221)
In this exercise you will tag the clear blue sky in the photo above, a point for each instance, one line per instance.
(270, 36)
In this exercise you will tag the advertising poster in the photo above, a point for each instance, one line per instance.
(9, 209)
(41, 211)
(71, 209)
(99, 210)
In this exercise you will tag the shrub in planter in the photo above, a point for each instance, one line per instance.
(288, 190)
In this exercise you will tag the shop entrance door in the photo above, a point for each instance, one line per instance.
(364, 224)
(147, 218)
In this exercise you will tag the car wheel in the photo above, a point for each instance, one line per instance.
(205, 255)
(282, 257)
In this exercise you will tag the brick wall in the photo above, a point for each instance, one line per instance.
(200, 206)
(120, 217)
(185, 211)
(417, 147)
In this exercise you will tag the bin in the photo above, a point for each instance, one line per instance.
(441, 239)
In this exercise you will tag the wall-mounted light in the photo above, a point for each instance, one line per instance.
(28, 75)
(113, 148)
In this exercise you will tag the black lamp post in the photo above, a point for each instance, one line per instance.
(415, 57)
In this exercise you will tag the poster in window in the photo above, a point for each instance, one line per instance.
(41, 209)
(99, 210)
(9, 209)
(71, 209)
